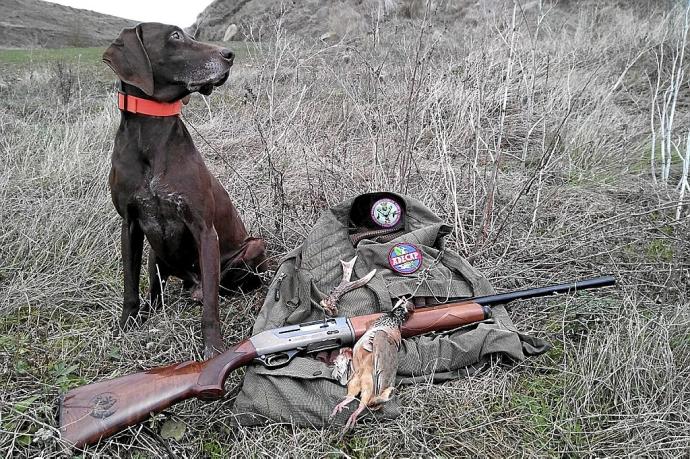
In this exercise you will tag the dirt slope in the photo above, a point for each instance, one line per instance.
(34, 23)
(324, 19)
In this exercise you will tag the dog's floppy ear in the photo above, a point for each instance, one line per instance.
(128, 59)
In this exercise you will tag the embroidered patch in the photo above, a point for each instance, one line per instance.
(405, 258)
(386, 212)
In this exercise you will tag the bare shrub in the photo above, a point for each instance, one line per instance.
(63, 80)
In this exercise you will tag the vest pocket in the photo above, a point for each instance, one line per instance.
(302, 393)
(284, 295)
(434, 280)
(440, 290)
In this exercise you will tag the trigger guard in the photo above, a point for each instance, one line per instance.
(268, 360)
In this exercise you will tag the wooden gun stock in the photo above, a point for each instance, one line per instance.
(90, 413)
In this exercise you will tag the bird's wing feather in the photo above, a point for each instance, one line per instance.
(394, 334)
(366, 341)
(342, 369)
(385, 361)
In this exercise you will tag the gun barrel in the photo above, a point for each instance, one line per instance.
(570, 287)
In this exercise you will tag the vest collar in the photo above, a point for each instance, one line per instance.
(140, 106)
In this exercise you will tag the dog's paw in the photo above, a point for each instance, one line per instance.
(213, 345)
(124, 324)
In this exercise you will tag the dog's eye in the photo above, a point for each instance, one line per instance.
(176, 36)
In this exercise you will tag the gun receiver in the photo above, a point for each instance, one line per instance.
(96, 411)
(277, 347)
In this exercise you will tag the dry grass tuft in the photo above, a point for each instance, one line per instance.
(527, 130)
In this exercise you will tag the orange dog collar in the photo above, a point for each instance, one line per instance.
(133, 104)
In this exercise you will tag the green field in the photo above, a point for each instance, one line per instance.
(73, 55)
(85, 56)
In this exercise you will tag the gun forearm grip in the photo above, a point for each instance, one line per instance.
(425, 320)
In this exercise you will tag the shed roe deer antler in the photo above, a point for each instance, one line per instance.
(330, 303)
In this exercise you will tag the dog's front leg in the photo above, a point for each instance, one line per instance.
(132, 242)
(209, 262)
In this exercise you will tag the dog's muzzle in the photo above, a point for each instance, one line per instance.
(207, 88)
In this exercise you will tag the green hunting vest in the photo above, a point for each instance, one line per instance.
(404, 241)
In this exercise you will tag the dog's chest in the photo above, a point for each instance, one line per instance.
(161, 211)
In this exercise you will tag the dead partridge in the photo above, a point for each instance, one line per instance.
(375, 363)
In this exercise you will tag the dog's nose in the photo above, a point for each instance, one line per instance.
(227, 54)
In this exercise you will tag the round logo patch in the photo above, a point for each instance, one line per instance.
(386, 212)
(405, 258)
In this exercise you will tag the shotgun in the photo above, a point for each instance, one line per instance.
(99, 410)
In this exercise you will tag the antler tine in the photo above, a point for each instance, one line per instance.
(330, 303)
(346, 286)
(348, 266)
(358, 283)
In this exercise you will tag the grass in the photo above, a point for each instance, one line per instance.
(89, 56)
(431, 112)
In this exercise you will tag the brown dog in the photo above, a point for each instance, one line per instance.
(160, 185)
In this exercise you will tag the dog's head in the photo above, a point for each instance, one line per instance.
(166, 63)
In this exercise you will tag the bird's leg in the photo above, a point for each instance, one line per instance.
(341, 406)
(377, 402)
(353, 417)
(353, 389)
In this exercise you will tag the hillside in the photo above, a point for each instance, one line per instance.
(328, 20)
(315, 18)
(34, 23)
